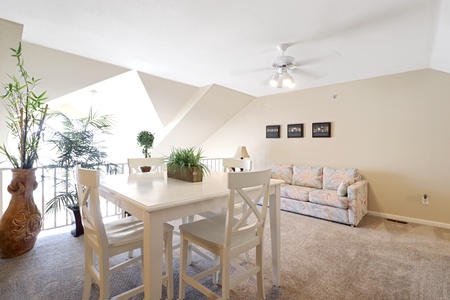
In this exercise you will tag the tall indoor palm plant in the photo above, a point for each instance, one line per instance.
(78, 143)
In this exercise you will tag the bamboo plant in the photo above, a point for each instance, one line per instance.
(26, 113)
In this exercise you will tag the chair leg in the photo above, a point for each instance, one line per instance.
(184, 244)
(216, 261)
(88, 261)
(105, 277)
(185, 220)
(259, 275)
(169, 263)
(247, 256)
(225, 277)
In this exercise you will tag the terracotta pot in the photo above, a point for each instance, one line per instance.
(146, 169)
(21, 222)
(191, 174)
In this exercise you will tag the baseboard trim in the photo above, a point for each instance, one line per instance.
(409, 220)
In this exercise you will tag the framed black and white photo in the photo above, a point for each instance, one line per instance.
(321, 129)
(295, 130)
(273, 131)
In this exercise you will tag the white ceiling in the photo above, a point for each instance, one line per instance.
(232, 43)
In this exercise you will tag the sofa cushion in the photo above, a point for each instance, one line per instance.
(283, 172)
(296, 192)
(307, 176)
(342, 188)
(332, 177)
(329, 198)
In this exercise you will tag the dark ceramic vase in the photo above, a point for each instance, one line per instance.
(77, 224)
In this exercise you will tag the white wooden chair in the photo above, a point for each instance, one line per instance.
(228, 235)
(229, 165)
(110, 239)
(236, 165)
(156, 163)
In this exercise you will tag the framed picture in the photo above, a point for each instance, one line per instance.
(273, 131)
(295, 130)
(321, 129)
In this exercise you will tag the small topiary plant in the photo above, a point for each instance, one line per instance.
(145, 140)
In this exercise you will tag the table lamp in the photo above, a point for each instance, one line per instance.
(241, 152)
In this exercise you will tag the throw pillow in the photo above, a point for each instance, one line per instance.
(307, 176)
(342, 189)
(283, 172)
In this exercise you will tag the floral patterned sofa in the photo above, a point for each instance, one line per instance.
(335, 194)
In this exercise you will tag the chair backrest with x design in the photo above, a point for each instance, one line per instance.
(88, 198)
(233, 165)
(250, 188)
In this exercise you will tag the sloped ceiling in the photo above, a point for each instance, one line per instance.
(167, 96)
(193, 54)
(207, 110)
(200, 43)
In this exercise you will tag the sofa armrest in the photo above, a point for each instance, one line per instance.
(357, 196)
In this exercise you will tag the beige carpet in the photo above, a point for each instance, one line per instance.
(379, 259)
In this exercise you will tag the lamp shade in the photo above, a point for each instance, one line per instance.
(242, 152)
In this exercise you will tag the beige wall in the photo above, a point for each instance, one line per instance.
(395, 129)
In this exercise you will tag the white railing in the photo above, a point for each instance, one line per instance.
(47, 189)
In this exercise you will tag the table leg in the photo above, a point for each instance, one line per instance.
(153, 256)
(275, 231)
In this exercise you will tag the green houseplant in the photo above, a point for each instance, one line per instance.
(186, 164)
(26, 113)
(78, 143)
(145, 140)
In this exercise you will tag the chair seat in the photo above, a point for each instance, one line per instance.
(127, 230)
(212, 231)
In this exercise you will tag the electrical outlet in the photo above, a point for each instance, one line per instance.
(425, 199)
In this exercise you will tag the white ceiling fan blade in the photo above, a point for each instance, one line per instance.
(332, 56)
(310, 75)
(249, 71)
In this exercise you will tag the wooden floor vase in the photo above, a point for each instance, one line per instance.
(21, 222)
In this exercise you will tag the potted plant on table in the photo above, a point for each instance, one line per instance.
(145, 140)
(186, 164)
(26, 112)
(77, 144)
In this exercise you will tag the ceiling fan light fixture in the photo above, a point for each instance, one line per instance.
(288, 81)
(274, 81)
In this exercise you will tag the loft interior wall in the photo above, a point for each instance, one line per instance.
(393, 128)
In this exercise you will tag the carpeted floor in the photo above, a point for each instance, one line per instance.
(379, 259)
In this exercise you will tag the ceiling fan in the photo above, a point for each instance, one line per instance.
(285, 66)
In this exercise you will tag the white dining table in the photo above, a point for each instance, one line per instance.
(155, 199)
